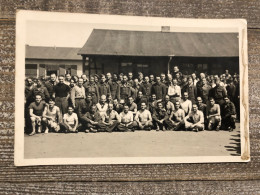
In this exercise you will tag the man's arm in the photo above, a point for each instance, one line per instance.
(72, 96)
(76, 123)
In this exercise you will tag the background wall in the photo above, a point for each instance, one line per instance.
(217, 178)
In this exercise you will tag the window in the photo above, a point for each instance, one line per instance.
(31, 70)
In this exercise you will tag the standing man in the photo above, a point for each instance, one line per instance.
(159, 89)
(67, 79)
(136, 88)
(191, 90)
(160, 117)
(146, 87)
(140, 99)
(213, 115)
(151, 77)
(40, 89)
(127, 123)
(228, 114)
(103, 87)
(114, 87)
(78, 97)
(176, 71)
(203, 90)
(85, 78)
(61, 95)
(130, 79)
(194, 120)
(36, 110)
(152, 103)
(186, 104)
(70, 121)
(51, 83)
(92, 89)
(144, 118)
(231, 89)
(218, 92)
(177, 117)
(125, 90)
(174, 91)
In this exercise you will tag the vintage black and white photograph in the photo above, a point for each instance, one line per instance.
(99, 89)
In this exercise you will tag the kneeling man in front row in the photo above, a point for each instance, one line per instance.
(143, 118)
(176, 119)
(213, 115)
(91, 120)
(160, 117)
(70, 121)
(194, 120)
(110, 120)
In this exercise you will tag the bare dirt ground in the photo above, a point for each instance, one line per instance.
(133, 144)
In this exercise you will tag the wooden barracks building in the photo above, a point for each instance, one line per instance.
(149, 52)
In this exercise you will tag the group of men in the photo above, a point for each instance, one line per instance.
(123, 103)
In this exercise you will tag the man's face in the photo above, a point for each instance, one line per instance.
(103, 100)
(115, 77)
(72, 83)
(194, 108)
(39, 84)
(146, 79)
(53, 77)
(68, 77)
(96, 79)
(140, 94)
(93, 109)
(151, 78)
(140, 77)
(122, 102)
(177, 105)
(158, 79)
(143, 106)
(217, 82)
(115, 102)
(160, 106)
(177, 75)
(89, 98)
(80, 82)
(212, 102)
(92, 80)
(51, 104)
(204, 81)
(185, 95)
(110, 107)
(109, 98)
(193, 76)
(175, 69)
(131, 100)
(108, 76)
(125, 79)
(202, 76)
(190, 81)
(226, 100)
(126, 109)
(167, 98)
(30, 82)
(121, 77)
(130, 75)
(174, 82)
(61, 80)
(136, 82)
(199, 100)
(38, 99)
(103, 79)
(70, 110)
(163, 77)
(84, 77)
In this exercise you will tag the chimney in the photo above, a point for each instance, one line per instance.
(165, 28)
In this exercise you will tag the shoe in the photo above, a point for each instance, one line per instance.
(46, 130)
(92, 130)
(230, 129)
(86, 131)
(217, 129)
(32, 133)
(196, 129)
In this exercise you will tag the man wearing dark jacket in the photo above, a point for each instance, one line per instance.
(159, 89)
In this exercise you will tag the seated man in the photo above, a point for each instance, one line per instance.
(51, 117)
(110, 120)
(70, 121)
(160, 117)
(127, 120)
(228, 114)
(140, 98)
(202, 107)
(36, 110)
(152, 103)
(91, 120)
(194, 120)
(143, 118)
(186, 104)
(168, 105)
(102, 105)
(132, 105)
(176, 119)
(213, 115)
(119, 106)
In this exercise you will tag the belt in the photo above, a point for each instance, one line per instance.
(79, 98)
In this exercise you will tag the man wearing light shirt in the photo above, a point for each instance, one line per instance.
(127, 120)
(174, 91)
(186, 104)
(194, 120)
(78, 96)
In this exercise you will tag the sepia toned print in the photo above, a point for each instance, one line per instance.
(104, 91)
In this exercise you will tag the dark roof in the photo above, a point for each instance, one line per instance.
(149, 43)
(52, 53)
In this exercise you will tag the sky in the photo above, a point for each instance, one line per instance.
(69, 34)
